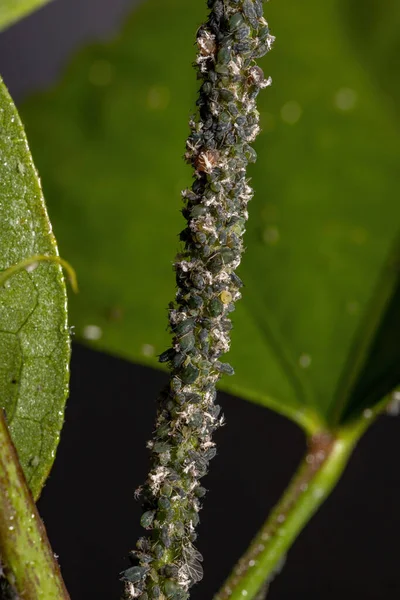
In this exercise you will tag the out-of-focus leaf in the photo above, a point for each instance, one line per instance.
(373, 29)
(34, 337)
(109, 140)
(374, 364)
(13, 10)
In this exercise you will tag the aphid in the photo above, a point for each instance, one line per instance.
(189, 374)
(134, 574)
(210, 453)
(198, 211)
(224, 368)
(165, 538)
(164, 503)
(184, 326)
(235, 21)
(178, 360)
(175, 384)
(195, 301)
(198, 280)
(167, 355)
(147, 519)
(160, 447)
(171, 571)
(170, 588)
(215, 264)
(250, 13)
(200, 491)
(215, 307)
(155, 592)
(143, 544)
(158, 551)
(196, 420)
(243, 32)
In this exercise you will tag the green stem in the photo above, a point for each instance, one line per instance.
(315, 478)
(26, 554)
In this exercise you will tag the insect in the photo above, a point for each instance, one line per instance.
(192, 565)
(134, 574)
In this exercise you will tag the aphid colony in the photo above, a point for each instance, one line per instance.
(166, 564)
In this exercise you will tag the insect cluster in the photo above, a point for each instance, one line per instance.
(166, 564)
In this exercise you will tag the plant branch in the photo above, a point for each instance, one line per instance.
(318, 473)
(165, 563)
(26, 554)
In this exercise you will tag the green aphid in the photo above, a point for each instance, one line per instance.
(235, 21)
(170, 588)
(227, 255)
(189, 374)
(215, 307)
(147, 519)
(215, 264)
(198, 211)
(164, 503)
(187, 342)
(184, 326)
(250, 154)
(160, 447)
(134, 574)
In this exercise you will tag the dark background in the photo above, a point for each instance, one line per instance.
(348, 551)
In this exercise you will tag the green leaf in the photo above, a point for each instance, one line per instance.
(34, 337)
(109, 140)
(14, 10)
(373, 29)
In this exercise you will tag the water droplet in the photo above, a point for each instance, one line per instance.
(271, 235)
(148, 350)
(31, 267)
(291, 112)
(281, 518)
(393, 408)
(252, 563)
(367, 414)
(304, 361)
(101, 72)
(318, 493)
(11, 528)
(92, 332)
(244, 592)
(34, 462)
(345, 99)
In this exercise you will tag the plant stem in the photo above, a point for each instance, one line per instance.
(29, 562)
(316, 476)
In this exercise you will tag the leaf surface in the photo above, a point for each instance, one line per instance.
(109, 140)
(13, 10)
(34, 337)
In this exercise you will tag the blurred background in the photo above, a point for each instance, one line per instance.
(328, 170)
